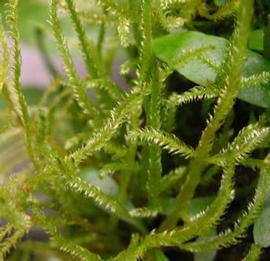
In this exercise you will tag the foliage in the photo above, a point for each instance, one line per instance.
(89, 167)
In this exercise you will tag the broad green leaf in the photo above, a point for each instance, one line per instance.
(199, 204)
(221, 2)
(160, 256)
(266, 40)
(208, 255)
(262, 227)
(109, 187)
(106, 256)
(3, 103)
(205, 256)
(170, 47)
(33, 95)
(196, 205)
(29, 11)
(167, 204)
(106, 184)
(256, 40)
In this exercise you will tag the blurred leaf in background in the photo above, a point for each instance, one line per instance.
(30, 12)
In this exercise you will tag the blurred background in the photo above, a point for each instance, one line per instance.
(40, 58)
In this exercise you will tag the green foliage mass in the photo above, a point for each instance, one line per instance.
(87, 162)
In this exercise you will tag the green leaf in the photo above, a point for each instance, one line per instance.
(196, 206)
(106, 184)
(207, 255)
(33, 95)
(109, 187)
(256, 40)
(160, 256)
(266, 39)
(221, 2)
(3, 103)
(171, 47)
(30, 11)
(262, 227)
(199, 204)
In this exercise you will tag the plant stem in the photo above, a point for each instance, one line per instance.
(154, 122)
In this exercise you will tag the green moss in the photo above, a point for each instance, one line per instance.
(106, 172)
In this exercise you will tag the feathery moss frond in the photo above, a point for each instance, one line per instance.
(255, 80)
(231, 237)
(111, 7)
(15, 93)
(213, 213)
(103, 136)
(109, 169)
(123, 21)
(196, 93)
(167, 3)
(62, 243)
(188, 8)
(144, 212)
(124, 27)
(88, 48)
(10, 242)
(209, 92)
(99, 197)
(248, 139)
(77, 86)
(183, 58)
(111, 88)
(166, 141)
(116, 150)
(89, 17)
(222, 12)
(13, 88)
(168, 22)
(172, 177)
(5, 230)
(4, 59)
